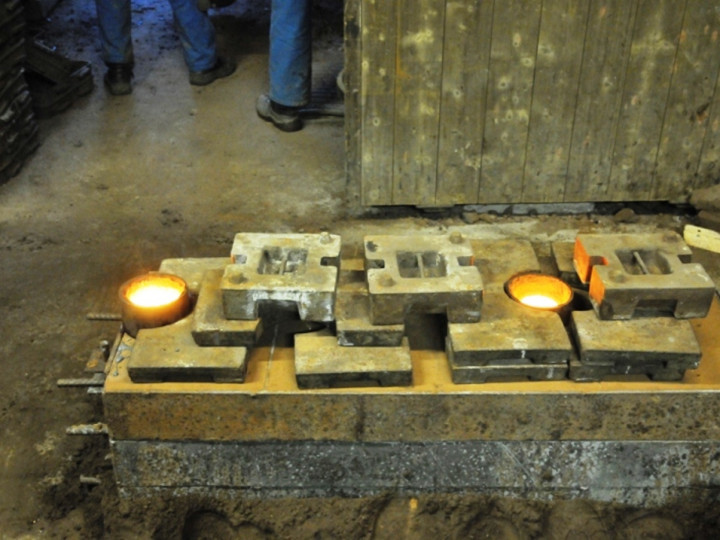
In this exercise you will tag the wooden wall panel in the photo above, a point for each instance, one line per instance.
(466, 59)
(353, 105)
(516, 25)
(377, 99)
(483, 101)
(418, 77)
(708, 172)
(557, 74)
(602, 79)
(655, 38)
(692, 88)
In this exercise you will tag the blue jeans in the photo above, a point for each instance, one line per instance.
(290, 47)
(197, 33)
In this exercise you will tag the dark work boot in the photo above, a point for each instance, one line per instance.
(222, 68)
(118, 79)
(282, 117)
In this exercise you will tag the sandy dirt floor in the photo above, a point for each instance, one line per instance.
(117, 185)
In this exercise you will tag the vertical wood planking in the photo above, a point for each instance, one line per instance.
(353, 79)
(377, 98)
(655, 39)
(688, 111)
(605, 58)
(708, 172)
(466, 55)
(417, 100)
(510, 82)
(482, 101)
(557, 72)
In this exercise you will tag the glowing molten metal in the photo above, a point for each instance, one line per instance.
(539, 291)
(158, 291)
(153, 300)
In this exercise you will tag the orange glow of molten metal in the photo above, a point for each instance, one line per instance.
(539, 291)
(155, 292)
(153, 300)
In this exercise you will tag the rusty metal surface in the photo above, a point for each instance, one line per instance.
(445, 431)
(510, 333)
(270, 406)
(631, 274)
(422, 274)
(320, 362)
(169, 353)
(285, 268)
(629, 472)
(210, 328)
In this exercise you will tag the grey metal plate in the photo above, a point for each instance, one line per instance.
(320, 362)
(169, 353)
(656, 340)
(509, 332)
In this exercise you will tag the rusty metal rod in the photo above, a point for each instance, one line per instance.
(90, 480)
(96, 380)
(640, 262)
(87, 429)
(99, 316)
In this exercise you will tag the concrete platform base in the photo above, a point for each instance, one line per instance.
(626, 472)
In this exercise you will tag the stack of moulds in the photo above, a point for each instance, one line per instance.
(203, 347)
(303, 270)
(55, 81)
(510, 341)
(643, 289)
(18, 128)
(365, 350)
(397, 276)
(269, 271)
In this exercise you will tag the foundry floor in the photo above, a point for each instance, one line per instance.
(117, 185)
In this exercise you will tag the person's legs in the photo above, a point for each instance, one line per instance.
(197, 35)
(114, 22)
(290, 48)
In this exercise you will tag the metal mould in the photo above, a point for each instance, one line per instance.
(642, 274)
(301, 269)
(352, 312)
(422, 274)
(210, 328)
